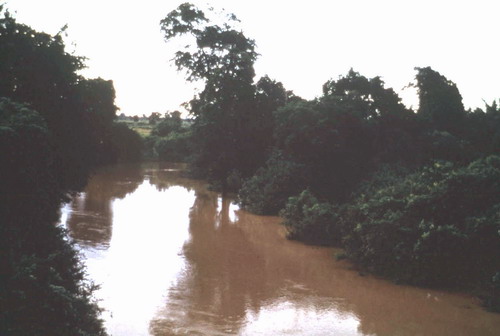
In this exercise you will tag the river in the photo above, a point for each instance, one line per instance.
(173, 258)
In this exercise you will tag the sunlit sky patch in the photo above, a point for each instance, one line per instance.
(302, 44)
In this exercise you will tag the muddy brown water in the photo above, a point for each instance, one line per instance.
(173, 258)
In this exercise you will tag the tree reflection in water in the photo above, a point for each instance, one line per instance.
(90, 215)
(238, 265)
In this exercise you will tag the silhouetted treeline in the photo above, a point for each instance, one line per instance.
(55, 128)
(413, 195)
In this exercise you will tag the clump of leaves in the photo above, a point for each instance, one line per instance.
(311, 221)
(268, 190)
(438, 226)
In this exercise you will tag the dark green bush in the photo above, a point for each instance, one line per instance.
(171, 123)
(170, 140)
(311, 221)
(445, 146)
(127, 144)
(438, 226)
(175, 147)
(268, 190)
(148, 151)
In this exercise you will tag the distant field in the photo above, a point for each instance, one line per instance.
(141, 127)
(143, 131)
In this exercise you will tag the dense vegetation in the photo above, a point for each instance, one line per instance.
(170, 139)
(413, 195)
(233, 124)
(55, 128)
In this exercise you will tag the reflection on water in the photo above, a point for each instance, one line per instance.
(173, 258)
(91, 217)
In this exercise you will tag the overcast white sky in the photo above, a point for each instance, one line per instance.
(302, 43)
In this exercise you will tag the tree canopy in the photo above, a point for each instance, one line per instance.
(232, 126)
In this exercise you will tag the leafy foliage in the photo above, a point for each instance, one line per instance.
(232, 125)
(267, 191)
(344, 135)
(126, 144)
(440, 101)
(171, 123)
(42, 286)
(170, 139)
(98, 111)
(176, 147)
(309, 220)
(483, 130)
(79, 112)
(438, 226)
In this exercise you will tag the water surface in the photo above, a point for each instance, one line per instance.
(174, 258)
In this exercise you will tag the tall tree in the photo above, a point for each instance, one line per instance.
(97, 105)
(226, 117)
(440, 102)
(342, 136)
(37, 70)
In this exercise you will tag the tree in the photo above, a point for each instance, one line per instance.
(344, 135)
(97, 101)
(126, 144)
(171, 123)
(37, 70)
(226, 112)
(170, 139)
(367, 97)
(221, 52)
(154, 118)
(79, 112)
(440, 102)
(483, 131)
